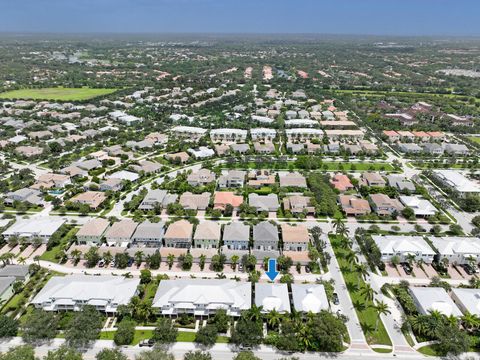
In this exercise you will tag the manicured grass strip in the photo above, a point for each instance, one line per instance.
(51, 254)
(367, 315)
(60, 93)
(430, 350)
(184, 336)
(475, 139)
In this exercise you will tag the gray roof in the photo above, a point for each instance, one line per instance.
(5, 283)
(236, 231)
(400, 182)
(148, 230)
(263, 202)
(265, 231)
(272, 296)
(17, 271)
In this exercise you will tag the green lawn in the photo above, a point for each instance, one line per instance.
(64, 94)
(51, 254)
(184, 336)
(367, 315)
(430, 350)
(475, 139)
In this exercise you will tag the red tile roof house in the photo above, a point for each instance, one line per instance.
(406, 135)
(391, 135)
(352, 205)
(222, 198)
(436, 135)
(341, 182)
(421, 135)
(383, 205)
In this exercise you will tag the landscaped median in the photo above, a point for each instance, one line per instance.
(368, 315)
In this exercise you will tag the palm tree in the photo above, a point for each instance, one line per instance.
(420, 263)
(6, 258)
(21, 260)
(37, 259)
(338, 225)
(76, 255)
(273, 319)
(470, 321)
(138, 258)
(452, 320)
(304, 337)
(382, 309)
(351, 258)
(255, 313)
(170, 261)
(395, 260)
(234, 259)
(362, 272)
(107, 257)
(368, 292)
(410, 259)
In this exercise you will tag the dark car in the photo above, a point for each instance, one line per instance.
(146, 343)
(407, 268)
(335, 299)
(469, 269)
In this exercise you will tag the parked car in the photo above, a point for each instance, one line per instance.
(469, 269)
(101, 263)
(146, 343)
(336, 301)
(407, 268)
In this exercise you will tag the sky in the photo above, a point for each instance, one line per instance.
(377, 17)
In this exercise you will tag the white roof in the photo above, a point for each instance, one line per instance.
(262, 119)
(124, 175)
(189, 129)
(434, 298)
(456, 245)
(300, 122)
(309, 131)
(40, 226)
(468, 299)
(394, 244)
(458, 181)
(213, 293)
(115, 290)
(419, 205)
(309, 297)
(228, 131)
(272, 297)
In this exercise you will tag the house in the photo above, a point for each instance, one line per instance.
(179, 234)
(188, 132)
(157, 198)
(405, 119)
(233, 179)
(201, 177)
(272, 297)
(265, 236)
(456, 149)
(404, 247)
(391, 135)
(29, 151)
(456, 182)
(263, 134)
(295, 237)
(240, 148)
(294, 179)
(295, 148)
(421, 136)
(264, 148)
(191, 201)
(223, 198)
(18, 272)
(373, 179)
(420, 206)
(301, 123)
(120, 233)
(124, 176)
(406, 135)
(236, 236)
(38, 227)
(298, 204)
(313, 148)
(147, 167)
(433, 149)
(71, 292)
(51, 180)
(309, 298)
(26, 195)
(383, 205)
(91, 198)
(149, 234)
(341, 182)
(303, 134)
(428, 299)
(111, 185)
(353, 205)
(456, 249)
(460, 120)
(337, 134)
(207, 235)
(264, 202)
(410, 148)
(202, 297)
(88, 165)
(93, 231)
(400, 183)
(233, 135)
(332, 148)
(467, 300)
(222, 149)
(6, 288)
(180, 157)
(352, 149)
(202, 152)
(260, 178)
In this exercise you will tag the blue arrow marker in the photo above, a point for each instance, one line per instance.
(272, 269)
